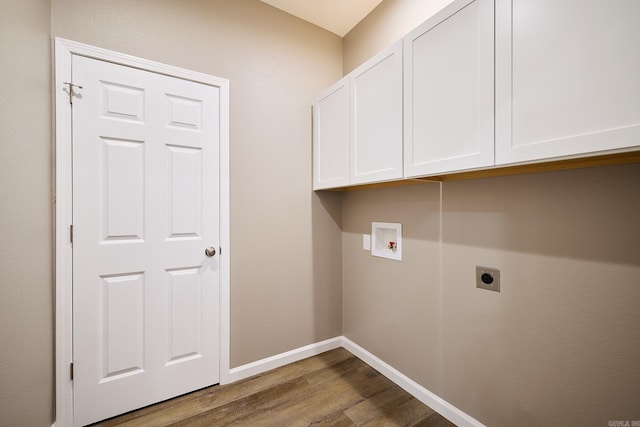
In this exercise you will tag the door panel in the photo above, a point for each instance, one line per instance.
(376, 118)
(185, 310)
(185, 192)
(122, 315)
(145, 206)
(448, 88)
(123, 177)
(331, 130)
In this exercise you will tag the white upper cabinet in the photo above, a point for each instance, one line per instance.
(482, 84)
(358, 125)
(449, 90)
(331, 133)
(376, 118)
(567, 78)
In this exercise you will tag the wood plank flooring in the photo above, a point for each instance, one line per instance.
(332, 389)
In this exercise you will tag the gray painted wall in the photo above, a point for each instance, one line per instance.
(26, 221)
(559, 350)
(282, 296)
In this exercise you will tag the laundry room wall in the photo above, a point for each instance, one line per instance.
(26, 206)
(559, 343)
(281, 294)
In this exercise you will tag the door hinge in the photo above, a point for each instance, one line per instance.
(71, 371)
(71, 233)
(312, 123)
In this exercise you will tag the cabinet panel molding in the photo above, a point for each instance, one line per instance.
(331, 133)
(449, 90)
(566, 86)
(376, 117)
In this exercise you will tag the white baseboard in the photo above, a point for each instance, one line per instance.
(282, 359)
(436, 403)
(433, 401)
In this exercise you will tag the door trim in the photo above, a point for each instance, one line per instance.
(64, 50)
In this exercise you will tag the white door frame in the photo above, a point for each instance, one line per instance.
(64, 50)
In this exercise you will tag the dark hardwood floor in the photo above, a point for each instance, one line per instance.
(332, 389)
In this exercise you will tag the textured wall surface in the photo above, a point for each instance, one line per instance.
(26, 257)
(281, 294)
(392, 19)
(285, 271)
(559, 344)
(392, 308)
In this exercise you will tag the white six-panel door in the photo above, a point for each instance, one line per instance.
(145, 207)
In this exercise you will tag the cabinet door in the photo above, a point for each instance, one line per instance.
(449, 90)
(376, 117)
(331, 137)
(567, 76)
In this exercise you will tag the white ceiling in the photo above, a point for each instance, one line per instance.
(337, 16)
